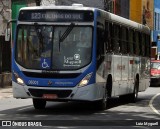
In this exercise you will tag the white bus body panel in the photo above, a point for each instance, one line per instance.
(123, 69)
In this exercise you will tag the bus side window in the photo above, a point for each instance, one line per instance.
(110, 34)
(115, 39)
(100, 42)
(136, 43)
(147, 45)
(142, 48)
(124, 43)
(107, 37)
(130, 39)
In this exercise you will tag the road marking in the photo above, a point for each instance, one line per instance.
(151, 103)
(21, 109)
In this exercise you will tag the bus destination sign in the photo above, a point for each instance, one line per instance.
(55, 16)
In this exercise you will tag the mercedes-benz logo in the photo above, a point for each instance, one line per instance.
(49, 82)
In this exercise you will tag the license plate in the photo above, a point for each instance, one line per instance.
(50, 96)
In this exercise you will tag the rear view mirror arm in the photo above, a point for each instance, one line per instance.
(7, 33)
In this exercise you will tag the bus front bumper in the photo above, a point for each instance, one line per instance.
(91, 92)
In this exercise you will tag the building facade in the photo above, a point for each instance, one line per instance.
(5, 47)
(119, 7)
(8, 10)
(156, 30)
(89, 3)
(141, 11)
(5, 14)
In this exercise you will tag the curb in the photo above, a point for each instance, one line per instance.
(6, 92)
(5, 80)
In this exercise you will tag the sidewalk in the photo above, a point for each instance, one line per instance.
(6, 92)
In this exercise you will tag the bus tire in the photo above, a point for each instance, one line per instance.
(133, 97)
(102, 104)
(39, 103)
(109, 86)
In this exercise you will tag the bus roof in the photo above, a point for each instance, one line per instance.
(126, 22)
(107, 15)
(58, 7)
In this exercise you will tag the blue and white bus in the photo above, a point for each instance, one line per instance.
(51, 63)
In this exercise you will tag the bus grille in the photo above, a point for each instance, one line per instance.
(59, 93)
(51, 75)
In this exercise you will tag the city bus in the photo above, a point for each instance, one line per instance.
(50, 62)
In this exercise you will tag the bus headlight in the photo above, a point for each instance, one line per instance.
(85, 80)
(18, 79)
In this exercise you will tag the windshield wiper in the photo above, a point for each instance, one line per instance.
(65, 34)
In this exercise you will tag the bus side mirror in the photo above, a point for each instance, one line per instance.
(7, 34)
(8, 30)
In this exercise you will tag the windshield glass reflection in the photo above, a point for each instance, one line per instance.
(42, 47)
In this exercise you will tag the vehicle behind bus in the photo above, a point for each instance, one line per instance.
(155, 72)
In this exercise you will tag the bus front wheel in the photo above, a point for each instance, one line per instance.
(39, 103)
(102, 104)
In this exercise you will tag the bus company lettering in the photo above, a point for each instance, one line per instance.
(72, 61)
(120, 67)
(50, 71)
(64, 83)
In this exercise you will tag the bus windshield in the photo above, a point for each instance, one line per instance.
(53, 47)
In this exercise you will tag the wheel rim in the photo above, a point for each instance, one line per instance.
(136, 93)
(136, 90)
(105, 95)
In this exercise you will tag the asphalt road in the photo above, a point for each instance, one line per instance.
(79, 114)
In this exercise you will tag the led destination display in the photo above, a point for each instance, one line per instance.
(56, 16)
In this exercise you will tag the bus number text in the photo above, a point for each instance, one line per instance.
(33, 82)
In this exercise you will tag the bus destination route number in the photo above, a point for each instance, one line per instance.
(56, 16)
